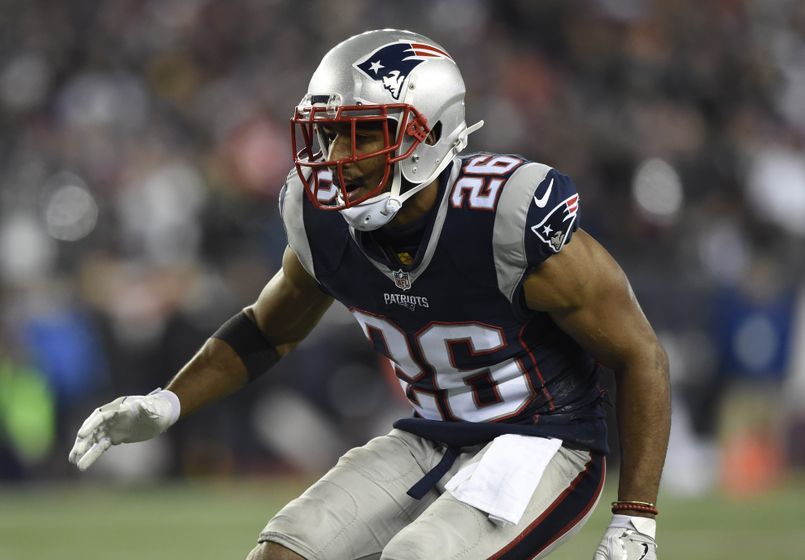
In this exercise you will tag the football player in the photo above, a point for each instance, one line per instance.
(471, 275)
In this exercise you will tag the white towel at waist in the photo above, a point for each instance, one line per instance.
(502, 483)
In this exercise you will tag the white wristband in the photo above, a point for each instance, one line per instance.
(173, 399)
(643, 525)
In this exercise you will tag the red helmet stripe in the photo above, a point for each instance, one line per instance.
(422, 49)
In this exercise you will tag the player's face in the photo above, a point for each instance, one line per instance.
(365, 174)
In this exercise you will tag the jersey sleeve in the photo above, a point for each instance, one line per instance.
(536, 216)
(291, 203)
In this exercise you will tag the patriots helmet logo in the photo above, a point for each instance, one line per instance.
(391, 64)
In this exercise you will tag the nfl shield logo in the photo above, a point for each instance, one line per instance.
(402, 280)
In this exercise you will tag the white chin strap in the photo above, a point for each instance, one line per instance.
(379, 210)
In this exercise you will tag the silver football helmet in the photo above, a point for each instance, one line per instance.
(400, 79)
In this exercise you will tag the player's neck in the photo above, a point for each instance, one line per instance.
(418, 205)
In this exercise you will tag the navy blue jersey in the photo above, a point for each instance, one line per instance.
(453, 323)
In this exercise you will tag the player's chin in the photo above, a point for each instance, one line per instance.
(362, 193)
(357, 195)
(365, 188)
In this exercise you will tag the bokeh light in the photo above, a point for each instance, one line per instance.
(70, 210)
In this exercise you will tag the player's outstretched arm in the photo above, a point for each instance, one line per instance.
(589, 297)
(288, 308)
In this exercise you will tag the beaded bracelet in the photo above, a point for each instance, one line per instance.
(631, 505)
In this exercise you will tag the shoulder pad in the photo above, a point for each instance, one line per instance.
(536, 216)
(291, 202)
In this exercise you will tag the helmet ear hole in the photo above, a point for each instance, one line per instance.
(435, 134)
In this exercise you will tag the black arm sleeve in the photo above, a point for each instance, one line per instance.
(249, 343)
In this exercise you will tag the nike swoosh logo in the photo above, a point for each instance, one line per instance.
(645, 551)
(543, 200)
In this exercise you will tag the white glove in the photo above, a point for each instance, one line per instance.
(124, 420)
(628, 538)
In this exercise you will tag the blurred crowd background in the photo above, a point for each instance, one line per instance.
(143, 144)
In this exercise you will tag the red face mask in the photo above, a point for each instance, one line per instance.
(326, 183)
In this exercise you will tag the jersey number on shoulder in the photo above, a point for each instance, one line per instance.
(327, 190)
(481, 181)
(459, 390)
